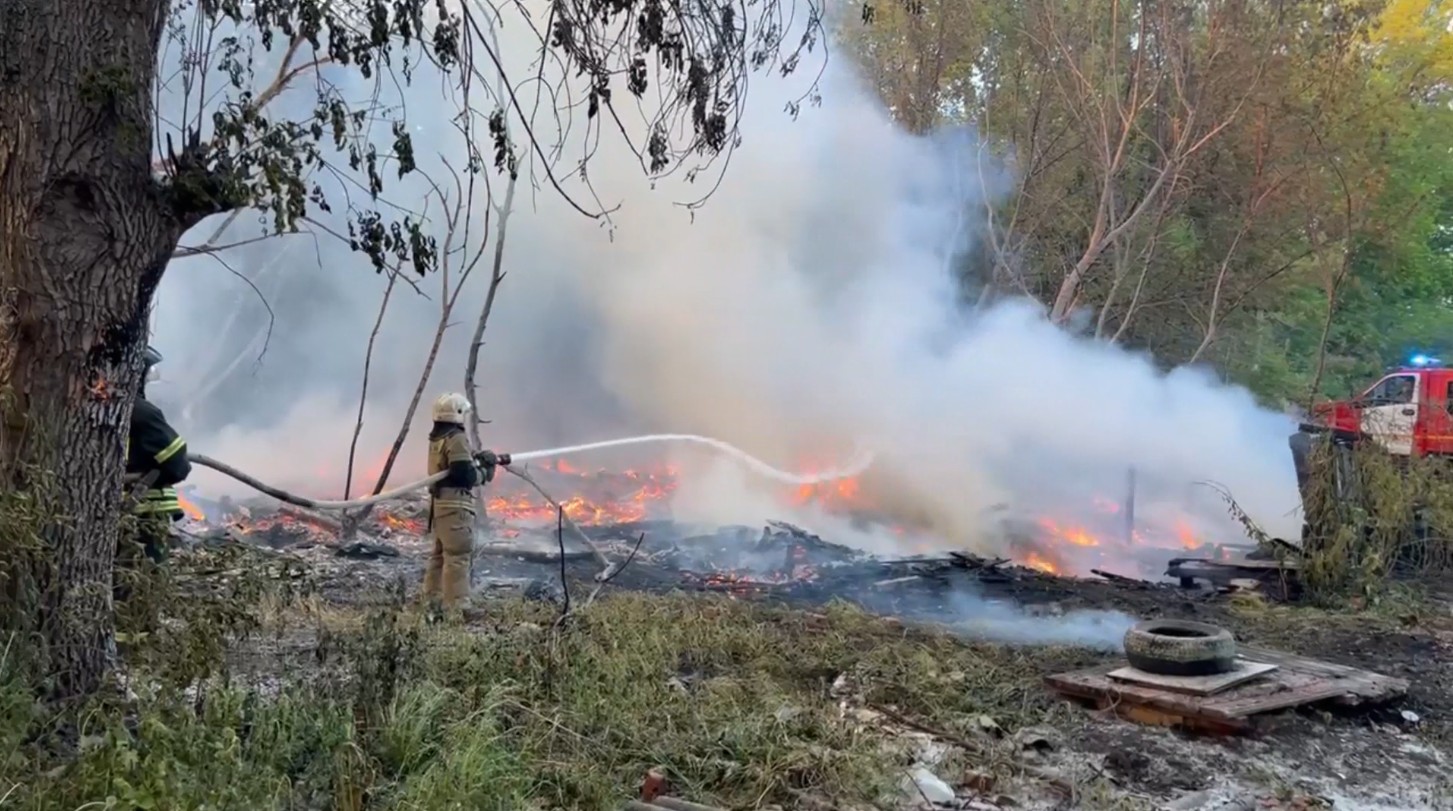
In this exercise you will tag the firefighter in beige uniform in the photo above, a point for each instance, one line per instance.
(452, 503)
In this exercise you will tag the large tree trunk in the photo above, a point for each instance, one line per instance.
(85, 232)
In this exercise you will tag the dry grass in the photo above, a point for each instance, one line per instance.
(1372, 520)
(740, 704)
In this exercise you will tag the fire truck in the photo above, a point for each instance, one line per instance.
(1408, 413)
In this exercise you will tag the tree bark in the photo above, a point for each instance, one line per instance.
(85, 233)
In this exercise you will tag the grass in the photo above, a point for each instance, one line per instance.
(739, 704)
(255, 692)
(1373, 519)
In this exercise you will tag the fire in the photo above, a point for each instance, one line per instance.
(846, 492)
(647, 494)
(1092, 535)
(1078, 536)
(1034, 560)
(193, 511)
(1062, 547)
(1187, 536)
(413, 526)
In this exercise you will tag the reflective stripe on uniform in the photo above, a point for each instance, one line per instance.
(170, 450)
(163, 500)
(455, 498)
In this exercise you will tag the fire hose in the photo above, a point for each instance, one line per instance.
(856, 465)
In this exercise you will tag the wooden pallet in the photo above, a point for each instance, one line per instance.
(1275, 579)
(1241, 672)
(1297, 681)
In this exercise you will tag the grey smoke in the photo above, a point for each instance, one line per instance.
(811, 305)
(1012, 624)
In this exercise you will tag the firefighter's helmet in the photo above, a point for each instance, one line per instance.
(149, 359)
(452, 408)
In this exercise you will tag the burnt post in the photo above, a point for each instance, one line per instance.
(1130, 505)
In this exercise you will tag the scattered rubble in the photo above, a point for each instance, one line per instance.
(1035, 767)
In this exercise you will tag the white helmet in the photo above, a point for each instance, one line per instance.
(149, 359)
(452, 407)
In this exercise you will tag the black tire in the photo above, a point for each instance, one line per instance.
(1180, 648)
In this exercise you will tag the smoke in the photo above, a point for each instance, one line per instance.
(812, 304)
(1012, 624)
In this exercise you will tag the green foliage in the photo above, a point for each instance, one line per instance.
(1326, 186)
(1372, 517)
(236, 153)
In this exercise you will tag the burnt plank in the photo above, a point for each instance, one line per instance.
(1293, 662)
(1308, 692)
(1095, 684)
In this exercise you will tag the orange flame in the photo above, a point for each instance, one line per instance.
(1034, 560)
(397, 523)
(193, 511)
(649, 490)
(1078, 536)
(1187, 535)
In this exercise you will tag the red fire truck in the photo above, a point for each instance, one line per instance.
(1409, 412)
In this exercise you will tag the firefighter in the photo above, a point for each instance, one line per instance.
(452, 505)
(155, 454)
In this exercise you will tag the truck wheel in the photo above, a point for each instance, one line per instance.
(1180, 648)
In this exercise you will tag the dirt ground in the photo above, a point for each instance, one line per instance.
(1396, 757)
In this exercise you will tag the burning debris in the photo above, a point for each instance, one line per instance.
(1102, 536)
(780, 562)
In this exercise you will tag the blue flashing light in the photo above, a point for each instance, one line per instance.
(1422, 360)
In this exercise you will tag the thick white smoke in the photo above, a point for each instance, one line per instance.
(811, 304)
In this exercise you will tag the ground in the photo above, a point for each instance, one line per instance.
(302, 681)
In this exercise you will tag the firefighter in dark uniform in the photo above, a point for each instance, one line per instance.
(155, 454)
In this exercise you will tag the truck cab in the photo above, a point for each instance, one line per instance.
(1408, 412)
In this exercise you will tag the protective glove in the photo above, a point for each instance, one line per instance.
(487, 461)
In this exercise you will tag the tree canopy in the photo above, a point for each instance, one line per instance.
(1261, 186)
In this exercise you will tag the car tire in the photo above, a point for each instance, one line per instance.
(1180, 648)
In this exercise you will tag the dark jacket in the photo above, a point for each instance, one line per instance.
(154, 445)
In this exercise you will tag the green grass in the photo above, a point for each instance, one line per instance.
(739, 704)
(256, 693)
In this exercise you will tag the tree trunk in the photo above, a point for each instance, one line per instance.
(84, 236)
(497, 275)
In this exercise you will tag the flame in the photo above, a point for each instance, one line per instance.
(647, 492)
(413, 526)
(1034, 560)
(1069, 542)
(1078, 536)
(193, 511)
(1187, 535)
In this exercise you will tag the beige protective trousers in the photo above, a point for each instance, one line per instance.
(447, 578)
